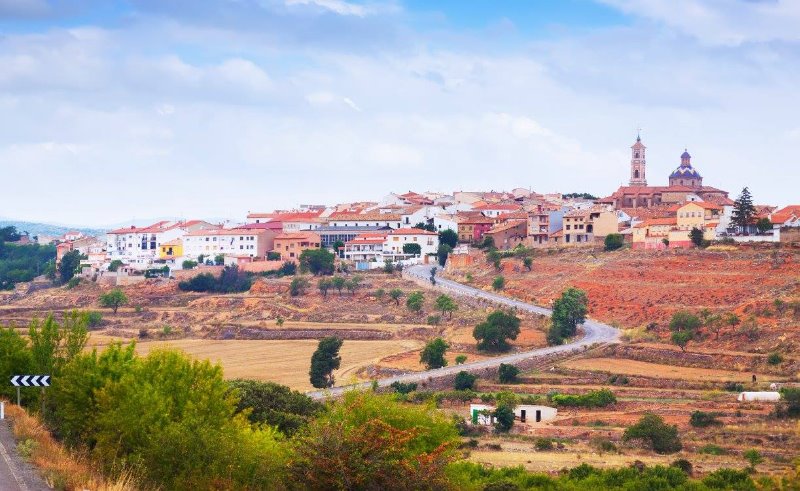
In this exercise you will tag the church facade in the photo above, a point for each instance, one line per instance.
(685, 184)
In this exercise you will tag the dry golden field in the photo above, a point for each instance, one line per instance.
(284, 362)
(632, 367)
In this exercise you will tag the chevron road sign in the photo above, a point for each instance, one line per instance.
(30, 380)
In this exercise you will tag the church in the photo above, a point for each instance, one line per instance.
(685, 184)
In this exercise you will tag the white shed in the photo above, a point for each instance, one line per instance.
(759, 396)
(526, 413)
(480, 414)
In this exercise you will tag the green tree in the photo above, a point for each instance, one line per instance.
(298, 286)
(353, 283)
(412, 248)
(53, 345)
(415, 301)
(219, 259)
(316, 261)
(763, 225)
(494, 258)
(432, 356)
(696, 236)
(324, 284)
(113, 299)
(442, 252)
(69, 265)
(338, 247)
(324, 361)
(448, 237)
(682, 338)
(498, 283)
(15, 358)
(507, 374)
(504, 418)
(753, 457)
(388, 267)
(613, 242)
(395, 294)
(339, 283)
(275, 405)
(201, 259)
(743, 210)
(528, 263)
(683, 320)
(116, 263)
(187, 264)
(461, 359)
(663, 438)
(446, 304)
(464, 381)
(569, 310)
(702, 419)
(371, 441)
(379, 293)
(493, 333)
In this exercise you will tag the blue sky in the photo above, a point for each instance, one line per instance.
(144, 108)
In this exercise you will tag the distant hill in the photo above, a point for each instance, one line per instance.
(48, 229)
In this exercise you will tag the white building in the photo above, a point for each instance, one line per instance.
(365, 248)
(480, 414)
(372, 219)
(428, 241)
(139, 246)
(228, 242)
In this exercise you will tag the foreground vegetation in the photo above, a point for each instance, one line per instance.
(166, 421)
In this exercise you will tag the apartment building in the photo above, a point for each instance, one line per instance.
(291, 245)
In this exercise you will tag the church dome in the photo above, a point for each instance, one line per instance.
(685, 172)
(685, 155)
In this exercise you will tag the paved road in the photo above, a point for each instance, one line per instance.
(15, 475)
(594, 333)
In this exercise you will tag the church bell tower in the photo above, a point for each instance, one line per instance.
(638, 164)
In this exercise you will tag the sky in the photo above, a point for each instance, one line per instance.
(112, 111)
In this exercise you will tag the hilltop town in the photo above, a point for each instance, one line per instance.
(404, 228)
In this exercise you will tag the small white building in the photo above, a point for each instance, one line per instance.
(428, 241)
(759, 396)
(480, 414)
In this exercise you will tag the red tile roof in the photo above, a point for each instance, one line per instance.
(411, 231)
(784, 214)
(498, 206)
(298, 236)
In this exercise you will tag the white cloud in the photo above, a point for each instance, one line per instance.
(337, 6)
(724, 22)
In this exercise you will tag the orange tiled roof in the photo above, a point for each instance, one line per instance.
(364, 217)
(297, 236)
(786, 213)
(411, 231)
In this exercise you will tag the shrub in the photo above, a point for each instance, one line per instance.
(789, 407)
(614, 242)
(93, 318)
(684, 465)
(73, 282)
(753, 457)
(113, 299)
(504, 418)
(733, 386)
(712, 449)
(415, 301)
(317, 261)
(603, 444)
(663, 438)
(464, 381)
(774, 358)
(729, 479)
(434, 319)
(432, 356)
(460, 359)
(595, 398)
(507, 374)
(543, 444)
(493, 334)
(298, 286)
(274, 404)
(403, 388)
(187, 264)
(288, 268)
(701, 419)
(498, 283)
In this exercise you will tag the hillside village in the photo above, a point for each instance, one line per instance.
(404, 228)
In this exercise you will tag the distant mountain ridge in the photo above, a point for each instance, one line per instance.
(48, 229)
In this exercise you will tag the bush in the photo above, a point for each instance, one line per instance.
(684, 465)
(274, 404)
(774, 358)
(733, 387)
(415, 301)
(460, 359)
(434, 320)
(712, 449)
(93, 318)
(504, 418)
(507, 374)
(498, 283)
(317, 261)
(543, 444)
(187, 264)
(595, 398)
(298, 286)
(614, 242)
(73, 282)
(729, 479)
(701, 419)
(663, 438)
(603, 444)
(789, 407)
(288, 268)
(403, 388)
(464, 381)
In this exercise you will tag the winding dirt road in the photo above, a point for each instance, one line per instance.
(593, 333)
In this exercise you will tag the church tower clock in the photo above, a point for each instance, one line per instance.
(638, 164)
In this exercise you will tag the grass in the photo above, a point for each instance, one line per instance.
(645, 369)
(60, 468)
(284, 362)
